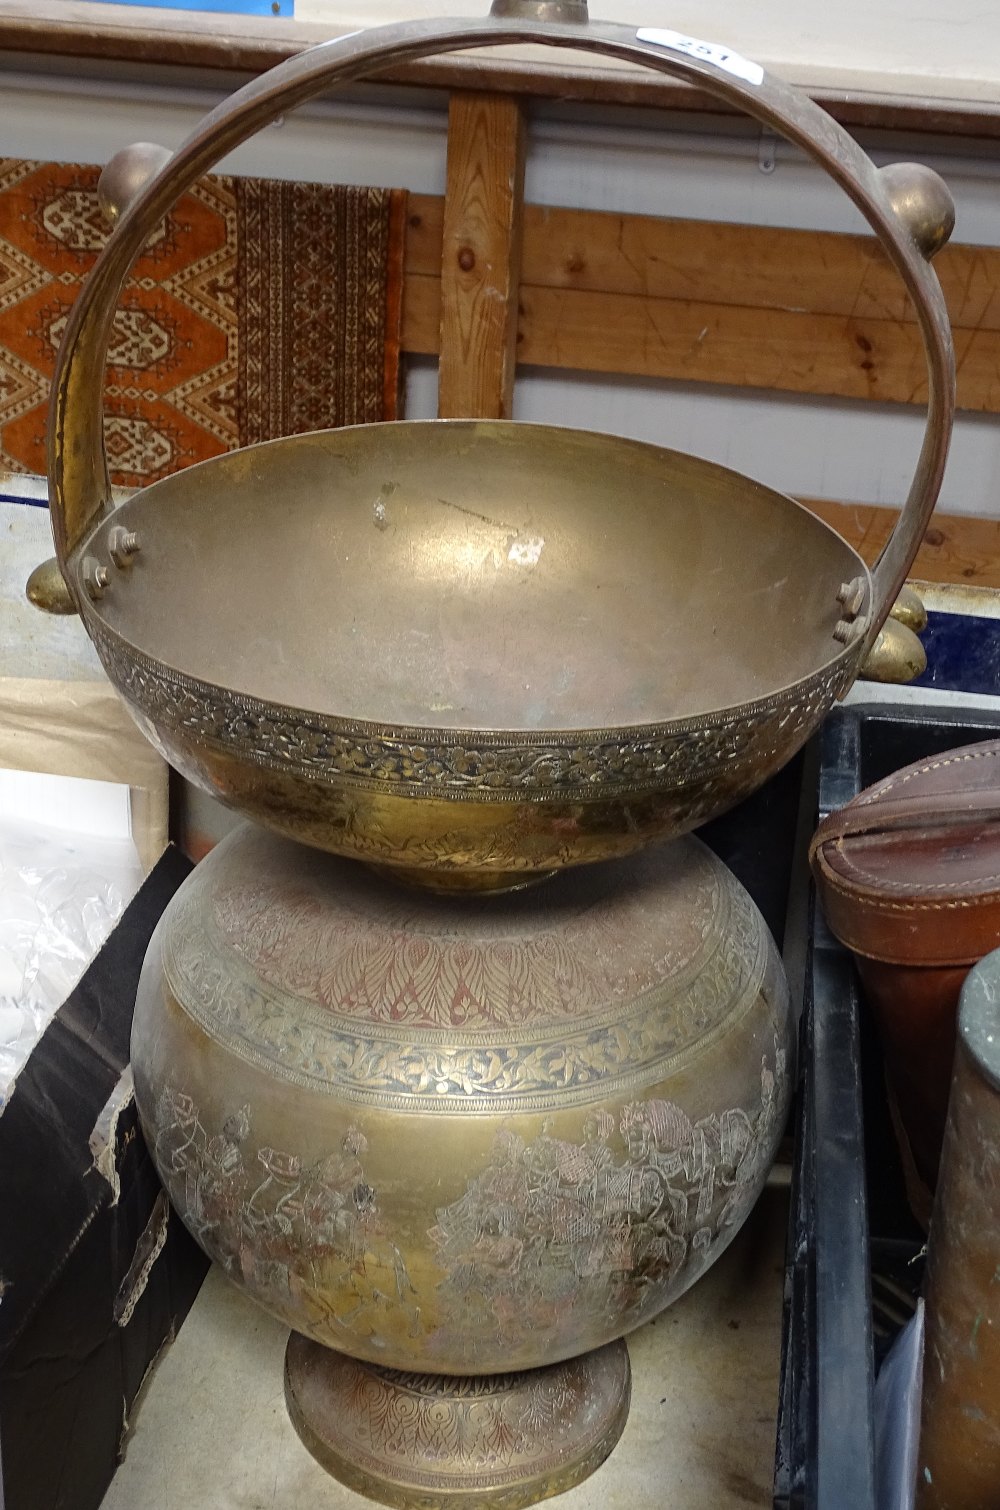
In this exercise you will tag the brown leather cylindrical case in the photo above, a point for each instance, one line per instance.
(909, 877)
(959, 1454)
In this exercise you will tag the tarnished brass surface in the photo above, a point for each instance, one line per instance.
(461, 1135)
(896, 656)
(562, 645)
(430, 1442)
(959, 1454)
(575, 11)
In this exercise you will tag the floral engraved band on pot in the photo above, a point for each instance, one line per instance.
(540, 1012)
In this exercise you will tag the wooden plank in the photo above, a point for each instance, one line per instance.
(72, 29)
(421, 326)
(956, 547)
(763, 267)
(695, 301)
(689, 341)
(481, 256)
(717, 344)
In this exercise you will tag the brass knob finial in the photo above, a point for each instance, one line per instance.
(541, 10)
(923, 202)
(126, 175)
(47, 589)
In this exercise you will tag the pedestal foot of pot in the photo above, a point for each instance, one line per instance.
(437, 1442)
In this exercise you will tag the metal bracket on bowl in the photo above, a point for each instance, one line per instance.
(852, 624)
(122, 179)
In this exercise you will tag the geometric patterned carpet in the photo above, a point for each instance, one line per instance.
(259, 308)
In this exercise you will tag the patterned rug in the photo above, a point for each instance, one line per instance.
(258, 309)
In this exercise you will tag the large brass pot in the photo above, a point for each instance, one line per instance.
(458, 1135)
(561, 645)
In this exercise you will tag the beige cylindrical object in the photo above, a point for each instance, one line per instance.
(959, 1462)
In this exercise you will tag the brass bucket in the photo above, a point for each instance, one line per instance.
(561, 645)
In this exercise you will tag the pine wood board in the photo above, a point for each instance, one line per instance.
(956, 548)
(789, 310)
(766, 267)
(479, 256)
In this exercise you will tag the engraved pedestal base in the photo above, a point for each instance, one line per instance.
(436, 1442)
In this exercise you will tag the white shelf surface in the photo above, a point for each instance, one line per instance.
(212, 1430)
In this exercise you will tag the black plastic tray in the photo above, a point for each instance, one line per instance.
(853, 1264)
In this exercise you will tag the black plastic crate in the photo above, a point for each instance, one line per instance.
(854, 1257)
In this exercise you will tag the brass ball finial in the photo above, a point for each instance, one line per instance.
(897, 655)
(923, 202)
(126, 175)
(909, 609)
(541, 10)
(47, 589)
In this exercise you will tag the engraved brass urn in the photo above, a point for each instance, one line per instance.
(461, 1136)
(462, 1142)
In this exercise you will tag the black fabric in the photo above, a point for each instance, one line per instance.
(73, 1352)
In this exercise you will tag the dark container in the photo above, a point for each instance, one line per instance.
(854, 1258)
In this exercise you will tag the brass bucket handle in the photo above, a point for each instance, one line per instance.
(907, 206)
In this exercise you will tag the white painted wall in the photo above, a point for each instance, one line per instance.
(821, 448)
(946, 50)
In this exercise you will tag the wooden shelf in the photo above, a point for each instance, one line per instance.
(85, 29)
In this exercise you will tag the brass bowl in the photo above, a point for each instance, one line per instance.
(562, 644)
(477, 652)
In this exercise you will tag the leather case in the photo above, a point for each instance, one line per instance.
(909, 877)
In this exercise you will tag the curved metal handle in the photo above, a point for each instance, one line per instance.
(907, 206)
